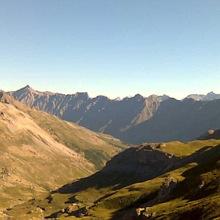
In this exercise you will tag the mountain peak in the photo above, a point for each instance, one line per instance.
(138, 97)
(81, 95)
(211, 93)
(200, 97)
(28, 87)
(211, 96)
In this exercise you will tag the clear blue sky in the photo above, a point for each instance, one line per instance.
(111, 47)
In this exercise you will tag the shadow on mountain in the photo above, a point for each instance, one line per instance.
(183, 120)
(193, 185)
(133, 165)
(190, 189)
(136, 164)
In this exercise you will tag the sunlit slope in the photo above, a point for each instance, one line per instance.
(184, 184)
(31, 160)
(97, 148)
(36, 157)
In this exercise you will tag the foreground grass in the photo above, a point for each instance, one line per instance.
(196, 193)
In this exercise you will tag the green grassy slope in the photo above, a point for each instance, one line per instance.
(185, 188)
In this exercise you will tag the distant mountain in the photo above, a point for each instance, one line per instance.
(99, 114)
(177, 120)
(210, 134)
(135, 119)
(208, 97)
(40, 152)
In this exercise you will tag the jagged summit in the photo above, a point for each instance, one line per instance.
(200, 97)
(135, 119)
(211, 93)
(26, 88)
(161, 98)
(212, 96)
(83, 95)
(138, 96)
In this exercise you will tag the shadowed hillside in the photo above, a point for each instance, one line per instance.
(177, 120)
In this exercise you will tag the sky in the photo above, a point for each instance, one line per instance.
(115, 48)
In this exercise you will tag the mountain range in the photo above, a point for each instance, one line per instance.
(135, 119)
(208, 97)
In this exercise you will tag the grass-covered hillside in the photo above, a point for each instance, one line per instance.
(39, 152)
(154, 181)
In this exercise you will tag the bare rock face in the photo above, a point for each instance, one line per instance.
(144, 213)
(5, 98)
(72, 208)
(150, 106)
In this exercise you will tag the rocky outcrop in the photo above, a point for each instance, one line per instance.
(144, 213)
(72, 208)
(166, 188)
